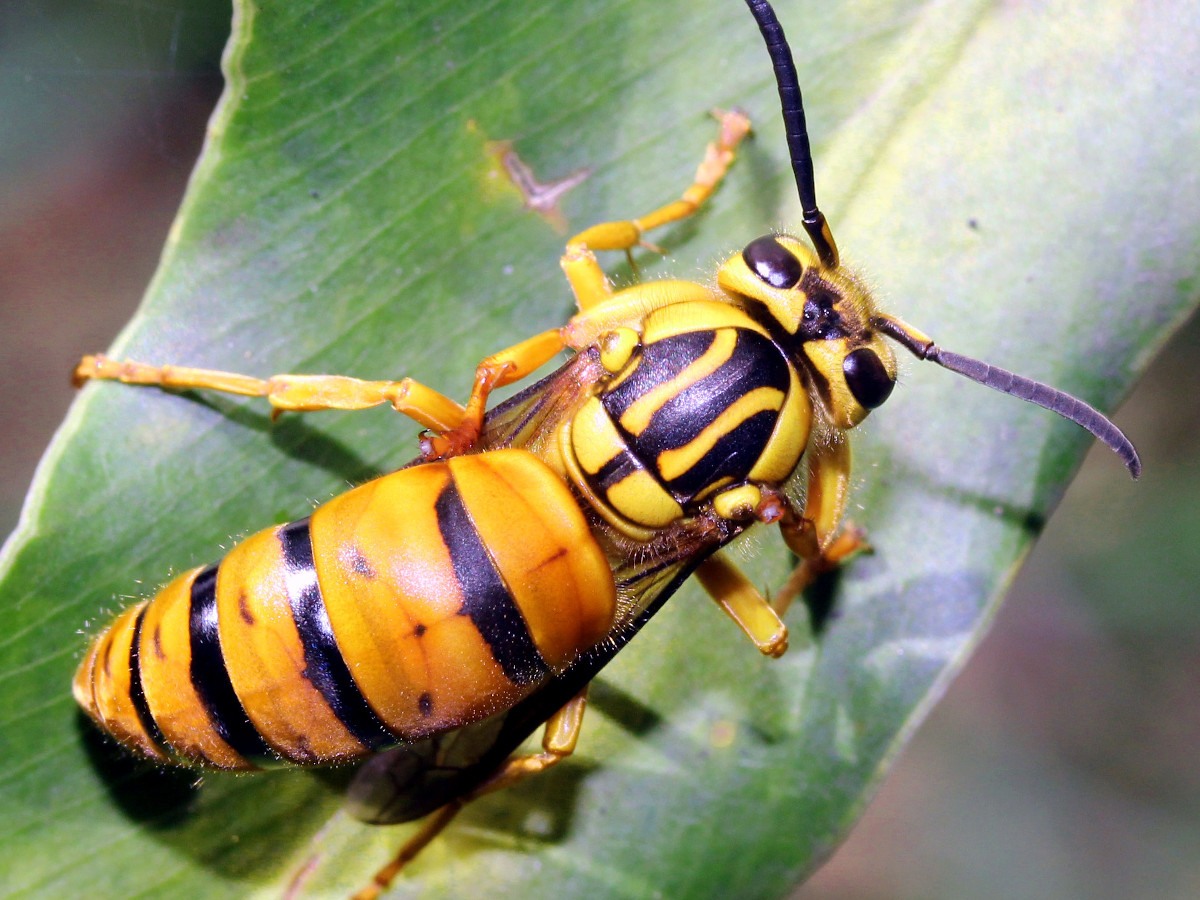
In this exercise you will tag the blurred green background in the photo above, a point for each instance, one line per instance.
(1063, 762)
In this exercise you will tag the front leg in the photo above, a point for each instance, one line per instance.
(813, 535)
(599, 309)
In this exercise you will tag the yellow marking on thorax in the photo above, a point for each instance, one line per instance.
(642, 499)
(636, 418)
(675, 462)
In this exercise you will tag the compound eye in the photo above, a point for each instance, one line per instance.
(867, 377)
(773, 263)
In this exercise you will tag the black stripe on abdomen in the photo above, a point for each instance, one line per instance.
(325, 667)
(137, 693)
(210, 677)
(486, 598)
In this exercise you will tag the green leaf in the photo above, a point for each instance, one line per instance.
(1017, 180)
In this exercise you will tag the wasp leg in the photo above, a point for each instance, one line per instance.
(813, 534)
(591, 289)
(497, 370)
(298, 393)
(743, 603)
(850, 540)
(559, 737)
(431, 828)
(579, 262)
(520, 360)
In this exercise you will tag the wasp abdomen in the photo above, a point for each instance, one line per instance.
(399, 609)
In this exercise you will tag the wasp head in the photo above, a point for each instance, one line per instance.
(823, 316)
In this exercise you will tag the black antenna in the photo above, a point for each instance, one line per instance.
(797, 130)
(1002, 380)
(1007, 382)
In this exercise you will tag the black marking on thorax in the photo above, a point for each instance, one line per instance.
(755, 362)
(486, 598)
(324, 665)
(615, 471)
(820, 319)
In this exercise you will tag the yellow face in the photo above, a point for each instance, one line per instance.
(823, 316)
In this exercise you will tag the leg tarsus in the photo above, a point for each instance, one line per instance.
(579, 261)
(849, 541)
(718, 156)
(434, 825)
(559, 737)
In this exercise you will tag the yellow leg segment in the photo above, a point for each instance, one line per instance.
(296, 393)
(430, 828)
(591, 289)
(579, 262)
(497, 370)
(813, 534)
(743, 603)
(559, 737)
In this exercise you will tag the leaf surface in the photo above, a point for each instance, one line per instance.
(1018, 181)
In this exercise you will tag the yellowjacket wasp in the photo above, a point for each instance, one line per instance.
(454, 606)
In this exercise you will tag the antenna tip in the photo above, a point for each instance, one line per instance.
(1134, 465)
